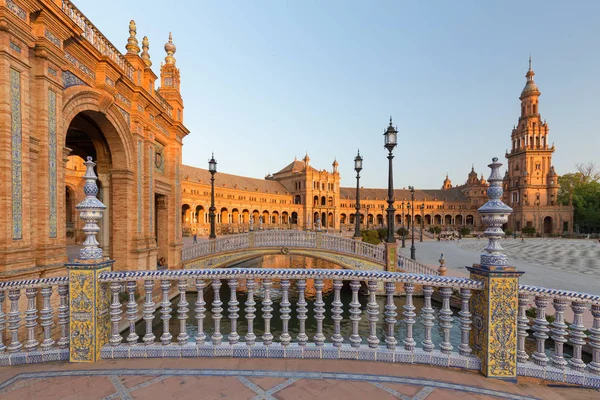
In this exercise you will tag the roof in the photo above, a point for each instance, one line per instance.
(199, 175)
(294, 166)
(453, 194)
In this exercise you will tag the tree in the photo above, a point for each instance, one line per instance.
(464, 231)
(370, 237)
(582, 188)
(402, 232)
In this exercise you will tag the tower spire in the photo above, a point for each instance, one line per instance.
(170, 49)
(145, 54)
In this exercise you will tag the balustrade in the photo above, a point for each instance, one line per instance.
(36, 337)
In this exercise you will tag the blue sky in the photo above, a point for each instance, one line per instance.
(265, 81)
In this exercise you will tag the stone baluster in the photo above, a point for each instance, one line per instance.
(559, 333)
(373, 315)
(409, 317)
(594, 365)
(285, 310)
(522, 326)
(319, 337)
(14, 319)
(31, 319)
(45, 318)
(200, 310)
(217, 309)
(115, 314)
(267, 309)
(2, 321)
(131, 313)
(165, 304)
(148, 312)
(446, 320)
(250, 310)
(182, 312)
(233, 309)
(464, 349)
(63, 316)
(540, 328)
(336, 312)
(355, 339)
(577, 335)
(390, 315)
(428, 318)
(302, 310)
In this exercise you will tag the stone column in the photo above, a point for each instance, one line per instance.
(494, 334)
(88, 299)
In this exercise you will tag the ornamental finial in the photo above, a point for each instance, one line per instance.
(494, 213)
(132, 43)
(170, 49)
(90, 210)
(145, 48)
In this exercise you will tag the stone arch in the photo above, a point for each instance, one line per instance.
(547, 224)
(458, 219)
(448, 220)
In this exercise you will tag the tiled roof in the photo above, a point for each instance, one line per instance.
(294, 166)
(454, 194)
(195, 175)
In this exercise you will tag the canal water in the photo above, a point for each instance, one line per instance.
(300, 262)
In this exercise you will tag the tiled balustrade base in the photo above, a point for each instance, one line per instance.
(276, 350)
(550, 373)
(33, 357)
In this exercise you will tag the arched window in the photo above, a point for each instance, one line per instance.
(297, 199)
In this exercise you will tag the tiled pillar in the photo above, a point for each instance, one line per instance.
(89, 303)
(391, 253)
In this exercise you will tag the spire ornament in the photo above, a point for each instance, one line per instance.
(170, 49)
(132, 42)
(90, 210)
(494, 213)
(145, 55)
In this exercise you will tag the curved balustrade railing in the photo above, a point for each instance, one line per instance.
(569, 368)
(293, 239)
(414, 267)
(211, 342)
(38, 342)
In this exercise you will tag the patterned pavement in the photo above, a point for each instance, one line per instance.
(269, 379)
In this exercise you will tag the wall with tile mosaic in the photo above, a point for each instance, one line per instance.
(17, 154)
(140, 178)
(52, 166)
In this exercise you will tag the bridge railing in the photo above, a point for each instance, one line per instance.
(38, 342)
(285, 238)
(415, 267)
(292, 339)
(580, 338)
(347, 245)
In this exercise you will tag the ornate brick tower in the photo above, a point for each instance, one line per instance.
(531, 184)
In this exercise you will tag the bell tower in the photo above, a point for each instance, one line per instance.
(530, 180)
(170, 81)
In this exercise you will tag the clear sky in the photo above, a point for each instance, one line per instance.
(266, 81)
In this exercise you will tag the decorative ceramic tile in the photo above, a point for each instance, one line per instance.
(123, 98)
(125, 115)
(151, 190)
(15, 47)
(51, 37)
(19, 12)
(17, 154)
(140, 175)
(70, 79)
(52, 166)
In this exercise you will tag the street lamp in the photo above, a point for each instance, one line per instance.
(212, 168)
(390, 141)
(357, 167)
(403, 230)
(422, 220)
(412, 218)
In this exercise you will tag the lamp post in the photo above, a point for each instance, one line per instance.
(412, 218)
(422, 220)
(403, 230)
(357, 167)
(390, 141)
(212, 168)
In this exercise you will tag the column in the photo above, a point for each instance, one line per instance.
(494, 334)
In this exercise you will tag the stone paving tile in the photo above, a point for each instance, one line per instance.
(62, 388)
(409, 390)
(267, 383)
(131, 381)
(332, 389)
(194, 387)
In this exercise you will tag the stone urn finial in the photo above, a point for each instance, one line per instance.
(442, 269)
(494, 213)
(90, 210)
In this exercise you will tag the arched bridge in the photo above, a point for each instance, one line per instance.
(346, 252)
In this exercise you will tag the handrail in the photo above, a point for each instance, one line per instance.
(559, 294)
(34, 283)
(275, 273)
(415, 267)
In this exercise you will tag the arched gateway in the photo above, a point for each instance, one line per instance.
(71, 95)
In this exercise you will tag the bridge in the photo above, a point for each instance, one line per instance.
(346, 252)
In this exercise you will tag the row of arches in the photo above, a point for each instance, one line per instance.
(379, 219)
(200, 215)
(324, 201)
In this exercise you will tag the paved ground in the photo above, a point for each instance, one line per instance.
(572, 264)
(263, 379)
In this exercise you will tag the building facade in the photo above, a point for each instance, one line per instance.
(67, 93)
(300, 196)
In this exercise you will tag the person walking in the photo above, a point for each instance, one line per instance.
(195, 237)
